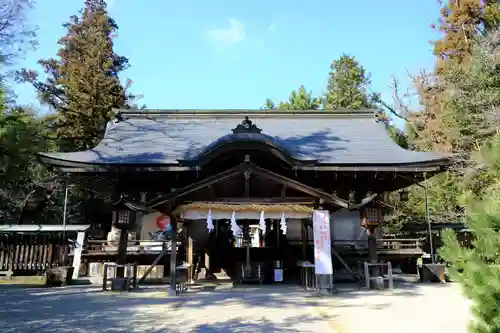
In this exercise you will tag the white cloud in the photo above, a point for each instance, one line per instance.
(231, 35)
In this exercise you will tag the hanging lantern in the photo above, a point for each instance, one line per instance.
(404, 195)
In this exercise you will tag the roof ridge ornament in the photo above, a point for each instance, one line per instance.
(246, 126)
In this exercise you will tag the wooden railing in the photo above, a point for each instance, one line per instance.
(382, 244)
(96, 247)
(400, 244)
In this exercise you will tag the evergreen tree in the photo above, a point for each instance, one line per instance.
(300, 99)
(347, 85)
(455, 101)
(269, 104)
(477, 268)
(21, 135)
(83, 85)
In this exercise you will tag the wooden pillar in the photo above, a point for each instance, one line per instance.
(189, 252)
(373, 258)
(172, 291)
(206, 259)
(215, 248)
(122, 253)
(303, 238)
(138, 218)
(372, 245)
(307, 239)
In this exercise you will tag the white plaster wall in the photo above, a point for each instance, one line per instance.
(148, 225)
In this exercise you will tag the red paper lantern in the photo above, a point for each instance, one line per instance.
(162, 222)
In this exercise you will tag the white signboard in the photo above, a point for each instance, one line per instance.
(322, 242)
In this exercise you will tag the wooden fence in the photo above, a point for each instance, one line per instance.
(30, 253)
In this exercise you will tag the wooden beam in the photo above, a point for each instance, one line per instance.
(161, 200)
(156, 261)
(269, 200)
(346, 266)
(291, 183)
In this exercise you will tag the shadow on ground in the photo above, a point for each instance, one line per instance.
(240, 309)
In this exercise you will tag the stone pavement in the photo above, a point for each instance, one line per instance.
(409, 308)
(87, 310)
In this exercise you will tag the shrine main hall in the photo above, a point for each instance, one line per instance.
(239, 188)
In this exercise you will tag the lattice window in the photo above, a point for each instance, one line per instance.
(123, 216)
(372, 215)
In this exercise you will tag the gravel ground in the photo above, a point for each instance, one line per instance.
(429, 308)
(241, 309)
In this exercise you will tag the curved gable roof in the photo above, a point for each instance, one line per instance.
(330, 138)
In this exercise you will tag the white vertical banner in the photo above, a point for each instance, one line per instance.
(322, 242)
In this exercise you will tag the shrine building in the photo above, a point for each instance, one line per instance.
(238, 188)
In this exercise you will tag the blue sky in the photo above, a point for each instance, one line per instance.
(234, 54)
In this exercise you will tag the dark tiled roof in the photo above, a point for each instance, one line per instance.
(147, 137)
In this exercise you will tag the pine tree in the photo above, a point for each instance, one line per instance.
(83, 84)
(300, 99)
(477, 268)
(268, 104)
(347, 85)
